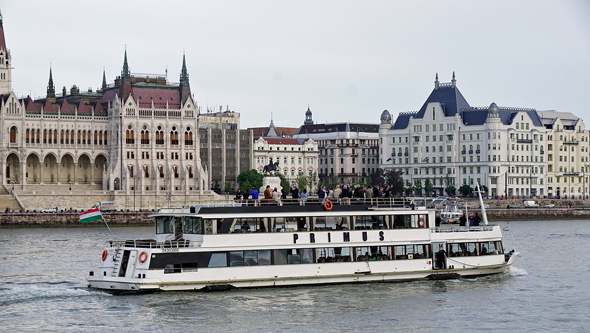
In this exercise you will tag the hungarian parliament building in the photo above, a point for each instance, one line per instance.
(140, 132)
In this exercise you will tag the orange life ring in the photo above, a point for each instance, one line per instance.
(421, 222)
(143, 257)
(105, 253)
(328, 205)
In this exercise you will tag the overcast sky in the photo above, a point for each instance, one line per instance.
(349, 60)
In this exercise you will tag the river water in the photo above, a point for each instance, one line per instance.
(43, 288)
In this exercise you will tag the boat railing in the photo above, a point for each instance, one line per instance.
(374, 202)
(151, 243)
(462, 229)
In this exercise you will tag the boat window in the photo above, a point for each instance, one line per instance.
(499, 247)
(410, 221)
(324, 223)
(401, 221)
(300, 256)
(251, 224)
(462, 249)
(192, 225)
(249, 258)
(288, 223)
(331, 254)
(419, 251)
(487, 248)
(218, 260)
(367, 253)
(363, 223)
(280, 257)
(236, 258)
(164, 225)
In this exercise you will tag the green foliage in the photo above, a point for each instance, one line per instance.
(466, 190)
(228, 188)
(217, 188)
(451, 190)
(395, 181)
(428, 186)
(379, 177)
(418, 186)
(301, 181)
(284, 182)
(249, 179)
(409, 188)
(312, 180)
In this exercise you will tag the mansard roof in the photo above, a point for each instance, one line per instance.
(449, 96)
(337, 127)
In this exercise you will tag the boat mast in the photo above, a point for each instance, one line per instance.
(483, 208)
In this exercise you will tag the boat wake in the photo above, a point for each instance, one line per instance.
(31, 293)
(515, 271)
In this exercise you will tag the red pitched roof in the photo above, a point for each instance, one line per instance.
(67, 109)
(84, 109)
(160, 96)
(280, 131)
(281, 141)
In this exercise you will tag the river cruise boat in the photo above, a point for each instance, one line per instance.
(451, 213)
(267, 245)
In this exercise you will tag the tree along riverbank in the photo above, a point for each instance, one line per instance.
(142, 219)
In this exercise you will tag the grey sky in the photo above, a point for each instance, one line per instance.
(349, 60)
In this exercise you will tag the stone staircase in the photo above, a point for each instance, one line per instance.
(6, 200)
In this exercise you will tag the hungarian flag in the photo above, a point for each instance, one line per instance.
(91, 215)
(506, 228)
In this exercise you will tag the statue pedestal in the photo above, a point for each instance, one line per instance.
(273, 182)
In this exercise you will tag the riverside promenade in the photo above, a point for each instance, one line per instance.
(67, 219)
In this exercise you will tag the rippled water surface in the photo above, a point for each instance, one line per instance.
(43, 288)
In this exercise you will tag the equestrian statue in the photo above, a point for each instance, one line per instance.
(271, 167)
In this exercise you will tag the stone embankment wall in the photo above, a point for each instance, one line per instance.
(532, 214)
(72, 219)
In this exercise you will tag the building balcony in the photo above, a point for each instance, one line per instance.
(399, 154)
(569, 173)
(471, 152)
(571, 142)
(477, 151)
(406, 154)
(542, 152)
(464, 152)
(524, 141)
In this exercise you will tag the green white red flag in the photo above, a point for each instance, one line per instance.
(91, 215)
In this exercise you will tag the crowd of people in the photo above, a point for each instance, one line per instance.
(340, 192)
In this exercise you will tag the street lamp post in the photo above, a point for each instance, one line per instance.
(134, 186)
(13, 196)
(70, 185)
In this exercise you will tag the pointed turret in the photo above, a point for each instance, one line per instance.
(271, 128)
(125, 73)
(454, 82)
(104, 81)
(308, 119)
(436, 83)
(50, 87)
(185, 87)
(2, 40)
(5, 63)
(125, 88)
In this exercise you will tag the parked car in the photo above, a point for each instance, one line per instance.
(49, 210)
(486, 206)
(515, 205)
(549, 205)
